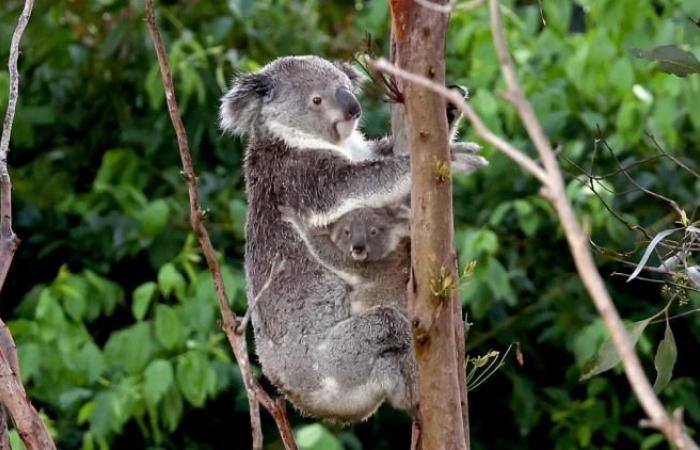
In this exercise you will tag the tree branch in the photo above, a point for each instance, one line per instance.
(230, 323)
(578, 242)
(31, 428)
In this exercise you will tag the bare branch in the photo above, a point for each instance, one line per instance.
(8, 240)
(230, 323)
(29, 425)
(31, 428)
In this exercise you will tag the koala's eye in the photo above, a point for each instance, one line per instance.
(317, 100)
(346, 231)
(373, 231)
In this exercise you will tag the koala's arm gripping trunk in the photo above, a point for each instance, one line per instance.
(338, 186)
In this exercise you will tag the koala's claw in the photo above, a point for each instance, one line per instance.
(467, 163)
(469, 148)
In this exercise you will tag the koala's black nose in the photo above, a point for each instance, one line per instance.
(358, 248)
(348, 103)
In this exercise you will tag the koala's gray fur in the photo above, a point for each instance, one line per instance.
(308, 157)
(369, 249)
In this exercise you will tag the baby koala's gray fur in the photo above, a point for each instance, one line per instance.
(304, 153)
(368, 248)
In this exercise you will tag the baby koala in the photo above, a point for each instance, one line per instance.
(368, 248)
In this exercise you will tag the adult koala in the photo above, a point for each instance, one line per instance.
(304, 153)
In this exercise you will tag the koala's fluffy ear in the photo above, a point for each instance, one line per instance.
(241, 105)
(355, 75)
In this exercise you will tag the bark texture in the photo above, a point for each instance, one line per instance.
(420, 125)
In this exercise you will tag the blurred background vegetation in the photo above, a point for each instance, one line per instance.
(108, 297)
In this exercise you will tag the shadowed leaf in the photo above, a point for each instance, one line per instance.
(671, 59)
(665, 359)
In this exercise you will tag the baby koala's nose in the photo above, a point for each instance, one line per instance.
(358, 252)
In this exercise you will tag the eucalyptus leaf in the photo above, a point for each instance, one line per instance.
(665, 359)
(607, 357)
(650, 248)
(671, 59)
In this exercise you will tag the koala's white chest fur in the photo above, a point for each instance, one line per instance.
(355, 147)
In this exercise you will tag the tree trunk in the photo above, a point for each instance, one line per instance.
(420, 124)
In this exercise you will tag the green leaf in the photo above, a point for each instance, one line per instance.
(15, 441)
(671, 59)
(171, 409)
(153, 217)
(154, 88)
(169, 330)
(89, 362)
(29, 360)
(130, 348)
(498, 281)
(528, 219)
(665, 359)
(142, 299)
(169, 280)
(316, 437)
(606, 358)
(158, 378)
(195, 376)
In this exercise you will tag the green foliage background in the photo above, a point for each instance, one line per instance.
(108, 297)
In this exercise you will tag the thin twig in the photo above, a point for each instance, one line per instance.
(275, 270)
(672, 203)
(230, 323)
(671, 157)
(653, 280)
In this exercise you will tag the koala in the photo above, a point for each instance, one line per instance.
(304, 152)
(368, 248)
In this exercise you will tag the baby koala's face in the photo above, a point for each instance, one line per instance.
(369, 234)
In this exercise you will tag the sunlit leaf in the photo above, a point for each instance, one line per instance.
(650, 248)
(170, 280)
(316, 437)
(142, 299)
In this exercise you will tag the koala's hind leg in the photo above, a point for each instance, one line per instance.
(365, 360)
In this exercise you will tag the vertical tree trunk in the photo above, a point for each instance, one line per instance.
(419, 124)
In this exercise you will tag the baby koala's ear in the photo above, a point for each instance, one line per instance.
(287, 214)
(400, 212)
